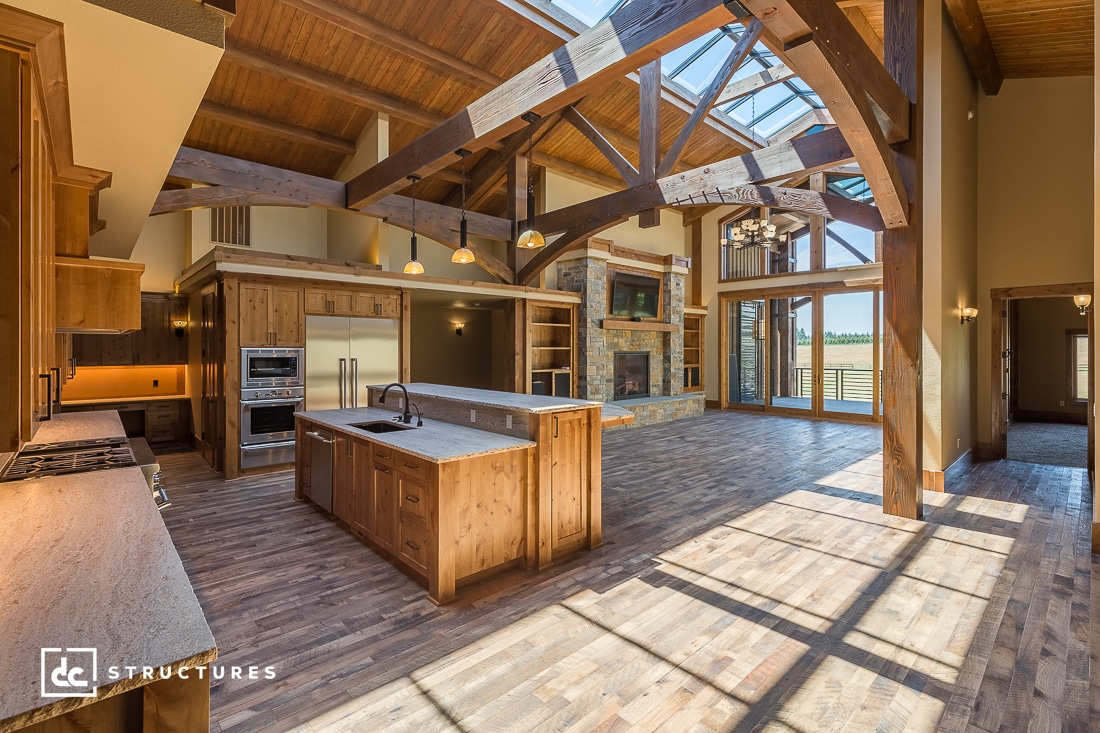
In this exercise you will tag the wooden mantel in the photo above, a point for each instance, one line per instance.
(615, 324)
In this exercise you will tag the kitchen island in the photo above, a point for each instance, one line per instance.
(87, 562)
(454, 501)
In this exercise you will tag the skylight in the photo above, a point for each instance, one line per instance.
(694, 65)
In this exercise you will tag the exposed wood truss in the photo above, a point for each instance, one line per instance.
(709, 97)
(817, 152)
(968, 20)
(756, 82)
(259, 184)
(869, 107)
(638, 33)
(624, 167)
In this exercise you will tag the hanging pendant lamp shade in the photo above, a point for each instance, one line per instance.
(531, 238)
(463, 255)
(413, 267)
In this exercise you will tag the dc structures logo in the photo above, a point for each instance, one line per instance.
(69, 672)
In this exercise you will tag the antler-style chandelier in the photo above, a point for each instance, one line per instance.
(752, 233)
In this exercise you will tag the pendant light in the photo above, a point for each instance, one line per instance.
(414, 267)
(463, 255)
(531, 238)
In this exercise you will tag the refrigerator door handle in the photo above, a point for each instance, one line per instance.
(343, 378)
(354, 382)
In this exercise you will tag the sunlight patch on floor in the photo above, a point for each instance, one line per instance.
(810, 612)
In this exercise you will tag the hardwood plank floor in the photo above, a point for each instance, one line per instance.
(748, 581)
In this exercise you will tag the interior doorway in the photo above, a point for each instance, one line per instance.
(1042, 399)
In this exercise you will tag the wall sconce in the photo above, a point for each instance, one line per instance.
(968, 315)
(179, 324)
(1082, 303)
(458, 328)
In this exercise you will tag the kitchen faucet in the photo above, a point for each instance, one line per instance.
(407, 416)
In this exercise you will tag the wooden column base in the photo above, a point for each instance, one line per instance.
(933, 481)
(1096, 537)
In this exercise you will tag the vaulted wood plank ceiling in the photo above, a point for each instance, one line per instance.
(273, 43)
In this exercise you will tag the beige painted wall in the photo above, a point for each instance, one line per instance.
(439, 356)
(950, 243)
(274, 229)
(160, 249)
(1020, 183)
(1042, 326)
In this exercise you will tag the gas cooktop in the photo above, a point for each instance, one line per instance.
(76, 456)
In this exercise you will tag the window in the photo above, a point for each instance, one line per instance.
(231, 225)
(1078, 365)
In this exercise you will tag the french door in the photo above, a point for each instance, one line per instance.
(816, 353)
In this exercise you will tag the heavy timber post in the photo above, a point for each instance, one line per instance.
(903, 280)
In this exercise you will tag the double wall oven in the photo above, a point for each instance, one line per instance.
(272, 390)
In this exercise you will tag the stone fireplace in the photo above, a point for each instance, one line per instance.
(638, 364)
(631, 374)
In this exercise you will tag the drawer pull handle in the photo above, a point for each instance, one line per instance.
(382, 469)
(415, 547)
(382, 455)
(413, 499)
(413, 466)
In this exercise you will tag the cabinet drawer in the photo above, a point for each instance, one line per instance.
(414, 496)
(413, 546)
(164, 410)
(383, 454)
(411, 465)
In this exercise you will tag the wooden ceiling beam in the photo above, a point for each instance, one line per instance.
(247, 120)
(811, 119)
(866, 31)
(816, 152)
(969, 22)
(577, 171)
(383, 35)
(208, 197)
(623, 166)
(854, 115)
(489, 171)
(639, 32)
(330, 86)
(756, 82)
(815, 203)
(793, 21)
(709, 97)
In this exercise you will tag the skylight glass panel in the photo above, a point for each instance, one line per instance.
(750, 67)
(589, 12)
(672, 61)
(698, 74)
(759, 103)
(781, 117)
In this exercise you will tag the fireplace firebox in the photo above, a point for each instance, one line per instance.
(631, 377)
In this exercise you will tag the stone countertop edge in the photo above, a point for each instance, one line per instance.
(488, 398)
(88, 562)
(429, 442)
(79, 426)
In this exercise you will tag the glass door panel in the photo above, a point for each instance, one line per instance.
(746, 383)
(848, 381)
(790, 352)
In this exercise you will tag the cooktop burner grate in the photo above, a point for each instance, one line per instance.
(77, 456)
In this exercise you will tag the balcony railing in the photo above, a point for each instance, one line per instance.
(839, 383)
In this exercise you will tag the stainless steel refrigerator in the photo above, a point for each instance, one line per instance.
(346, 355)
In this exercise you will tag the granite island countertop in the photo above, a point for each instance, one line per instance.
(489, 398)
(86, 562)
(436, 441)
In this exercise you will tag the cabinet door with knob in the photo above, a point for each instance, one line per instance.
(383, 507)
(271, 315)
(255, 312)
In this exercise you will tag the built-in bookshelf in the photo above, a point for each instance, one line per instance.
(551, 339)
(693, 353)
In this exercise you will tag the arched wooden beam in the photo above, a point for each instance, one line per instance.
(567, 241)
(825, 49)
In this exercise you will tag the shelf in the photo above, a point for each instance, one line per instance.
(550, 348)
(551, 371)
(557, 325)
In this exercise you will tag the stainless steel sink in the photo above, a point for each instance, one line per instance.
(380, 426)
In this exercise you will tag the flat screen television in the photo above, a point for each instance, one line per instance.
(635, 295)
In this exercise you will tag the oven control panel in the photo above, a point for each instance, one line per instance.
(273, 394)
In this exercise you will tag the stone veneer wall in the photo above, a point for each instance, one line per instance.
(597, 345)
